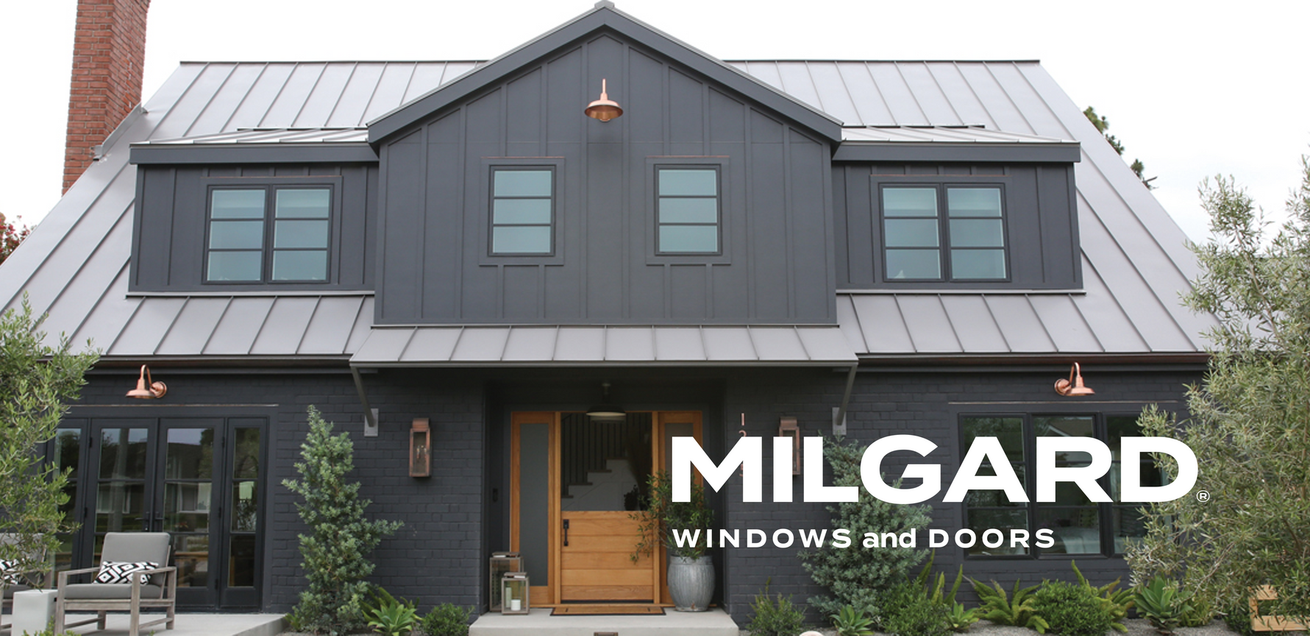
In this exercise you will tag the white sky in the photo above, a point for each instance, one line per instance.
(1191, 88)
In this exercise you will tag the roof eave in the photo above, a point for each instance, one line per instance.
(319, 152)
(936, 151)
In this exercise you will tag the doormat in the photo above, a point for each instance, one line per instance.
(602, 609)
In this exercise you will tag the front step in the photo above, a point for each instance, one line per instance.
(539, 622)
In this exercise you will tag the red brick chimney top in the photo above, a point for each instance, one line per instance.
(109, 51)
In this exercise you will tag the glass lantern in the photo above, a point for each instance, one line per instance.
(502, 563)
(514, 593)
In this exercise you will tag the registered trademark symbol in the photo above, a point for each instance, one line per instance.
(1202, 496)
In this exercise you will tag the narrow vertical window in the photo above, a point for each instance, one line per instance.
(236, 236)
(987, 509)
(300, 234)
(687, 211)
(977, 234)
(910, 234)
(1075, 521)
(522, 211)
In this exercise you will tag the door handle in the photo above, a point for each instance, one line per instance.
(566, 533)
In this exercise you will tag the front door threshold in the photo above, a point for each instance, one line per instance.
(539, 622)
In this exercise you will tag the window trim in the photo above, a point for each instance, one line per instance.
(651, 227)
(941, 184)
(1105, 511)
(270, 186)
(484, 217)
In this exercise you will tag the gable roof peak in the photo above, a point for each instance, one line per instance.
(604, 16)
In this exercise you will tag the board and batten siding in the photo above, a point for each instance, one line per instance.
(172, 210)
(1041, 221)
(775, 196)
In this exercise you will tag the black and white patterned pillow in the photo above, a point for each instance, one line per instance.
(121, 572)
(8, 572)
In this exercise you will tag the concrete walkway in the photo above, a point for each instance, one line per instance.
(540, 623)
(192, 625)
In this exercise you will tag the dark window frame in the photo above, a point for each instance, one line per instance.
(493, 198)
(1105, 511)
(718, 208)
(484, 216)
(651, 228)
(942, 185)
(271, 186)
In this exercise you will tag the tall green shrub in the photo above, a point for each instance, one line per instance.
(37, 381)
(854, 576)
(335, 552)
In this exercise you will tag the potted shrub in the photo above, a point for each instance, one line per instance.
(691, 571)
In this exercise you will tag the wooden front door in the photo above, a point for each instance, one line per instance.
(576, 501)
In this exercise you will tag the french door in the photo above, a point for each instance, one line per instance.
(199, 479)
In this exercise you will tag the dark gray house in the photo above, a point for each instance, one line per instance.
(928, 245)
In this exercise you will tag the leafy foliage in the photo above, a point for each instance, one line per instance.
(447, 620)
(1016, 608)
(1102, 124)
(853, 576)
(10, 236)
(1250, 426)
(336, 551)
(1161, 604)
(1238, 619)
(852, 622)
(392, 617)
(958, 618)
(37, 381)
(663, 515)
(1071, 610)
(907, 611)
(1115, 602)
(774, 617)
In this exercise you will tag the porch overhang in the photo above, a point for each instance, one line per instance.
(605, 345)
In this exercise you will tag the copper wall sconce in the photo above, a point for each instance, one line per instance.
(788, 427)
(603, 109)
(420, 448)
(1073, 387)
(146, 387)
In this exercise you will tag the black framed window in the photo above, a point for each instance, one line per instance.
(522, 211)
(687, 211)
(247, 244)
(944, 232)
(1078, 526)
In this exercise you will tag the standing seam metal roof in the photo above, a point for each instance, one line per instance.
(1135, 264)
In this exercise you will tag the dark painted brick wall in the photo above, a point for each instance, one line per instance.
(439, 555)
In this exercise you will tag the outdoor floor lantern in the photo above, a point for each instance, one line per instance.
(514, 593)
(502, 563)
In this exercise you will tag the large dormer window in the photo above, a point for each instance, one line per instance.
(943, 233)
(248, 244)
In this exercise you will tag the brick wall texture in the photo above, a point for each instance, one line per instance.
(109, 50)
(452, 524)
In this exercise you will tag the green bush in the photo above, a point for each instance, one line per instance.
(1162, 604)
(854, 575)
(1016, 608)
(1071, 610)
(335, 551)
(447, 620)
(1238, 619)
(774, 617)
(907, 611)
(393, 618)
(1113, 601)
(852, 622)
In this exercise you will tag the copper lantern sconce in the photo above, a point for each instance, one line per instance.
(420, 448)
(604, 108)
(1073, 387)
(146, 387)
(788, 427)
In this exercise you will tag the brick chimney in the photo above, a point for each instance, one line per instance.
(109, 50)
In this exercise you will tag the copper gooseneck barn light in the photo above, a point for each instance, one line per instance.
(146, 387)
(1073, 387)
(604, 108)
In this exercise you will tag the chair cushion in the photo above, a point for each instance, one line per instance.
(10, 589)
(134, 547)
(8, 572)
(108, 591)
(120, 572)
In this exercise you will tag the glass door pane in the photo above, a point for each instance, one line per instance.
(123, 455)
(188, 500)
(67, 456)
(244, 474)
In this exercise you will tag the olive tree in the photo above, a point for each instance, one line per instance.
(1248, 520)
(37, 381)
